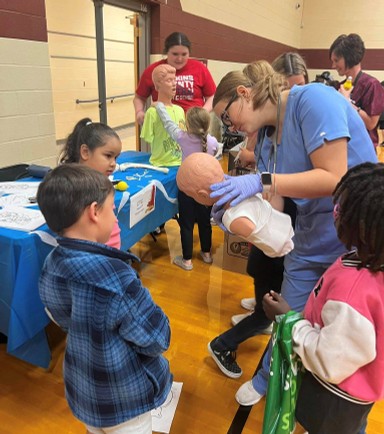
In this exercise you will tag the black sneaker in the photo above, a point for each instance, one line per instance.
(225, 360)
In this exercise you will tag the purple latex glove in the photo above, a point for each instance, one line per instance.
(236, 188)
(217, 215)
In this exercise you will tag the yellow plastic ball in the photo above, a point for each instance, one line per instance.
(121, 186)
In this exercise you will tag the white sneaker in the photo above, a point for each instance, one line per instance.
(247, 395)
(267, 331)
(237, 318)
(248, 303)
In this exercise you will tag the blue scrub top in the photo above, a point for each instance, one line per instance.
(315, 113)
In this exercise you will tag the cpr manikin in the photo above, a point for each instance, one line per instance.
(254, 219)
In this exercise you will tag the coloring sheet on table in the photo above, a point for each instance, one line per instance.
(21, 219)
(162, 416)
(26, 189)
(15, 200)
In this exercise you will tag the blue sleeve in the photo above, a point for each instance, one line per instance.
(143, 324)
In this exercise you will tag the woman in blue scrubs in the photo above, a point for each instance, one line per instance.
(320, 135)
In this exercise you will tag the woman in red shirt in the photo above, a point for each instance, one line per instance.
(194, 83)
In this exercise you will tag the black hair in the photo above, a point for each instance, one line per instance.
(176, 38)
(326, 78)
(360, 194)
(67, 191)
(350, 47)
(92, 134)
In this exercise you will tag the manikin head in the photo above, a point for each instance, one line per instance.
(196, 174)
(164, 79)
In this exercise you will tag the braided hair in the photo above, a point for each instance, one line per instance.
(360, 195)
(198, 121)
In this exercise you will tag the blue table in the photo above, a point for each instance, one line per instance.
(22, 316)
(166, 205)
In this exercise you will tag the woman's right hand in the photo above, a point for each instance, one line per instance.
(235, 189)
(140, 117)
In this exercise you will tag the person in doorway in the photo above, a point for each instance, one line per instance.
(366, 95)
(114, 370)
(194, 83)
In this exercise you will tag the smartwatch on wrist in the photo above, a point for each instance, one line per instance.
(266, 180)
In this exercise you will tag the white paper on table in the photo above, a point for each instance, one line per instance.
(21, 219)
(142, 204)
(15, 200)
(26, 189)
(162, 416)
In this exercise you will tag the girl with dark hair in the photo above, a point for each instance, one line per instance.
(97, 146)
(341, 338)
(194, 83)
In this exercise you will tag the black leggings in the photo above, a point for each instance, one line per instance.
(189, 212)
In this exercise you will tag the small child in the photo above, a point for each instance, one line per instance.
(95, 145)
(341, 339)
(195, 139)
(165, 151)
(114, 371)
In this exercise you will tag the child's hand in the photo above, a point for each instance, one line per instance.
(274, 304)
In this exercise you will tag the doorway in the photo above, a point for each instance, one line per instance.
(72, 41)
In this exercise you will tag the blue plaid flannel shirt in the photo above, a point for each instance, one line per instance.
(113, 367)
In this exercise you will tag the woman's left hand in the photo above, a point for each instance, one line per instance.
(235, 189)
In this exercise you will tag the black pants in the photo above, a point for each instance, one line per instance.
(190, 212)
(267, 275)
(320, 411)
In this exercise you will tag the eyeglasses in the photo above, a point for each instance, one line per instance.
(225, 119)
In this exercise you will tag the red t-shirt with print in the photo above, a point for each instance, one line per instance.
(193, 83)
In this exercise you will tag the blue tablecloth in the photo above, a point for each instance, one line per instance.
(166, 205)
(22, 316)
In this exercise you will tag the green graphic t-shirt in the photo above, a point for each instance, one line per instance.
(164, 150)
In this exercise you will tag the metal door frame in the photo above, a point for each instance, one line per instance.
(142, 37)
